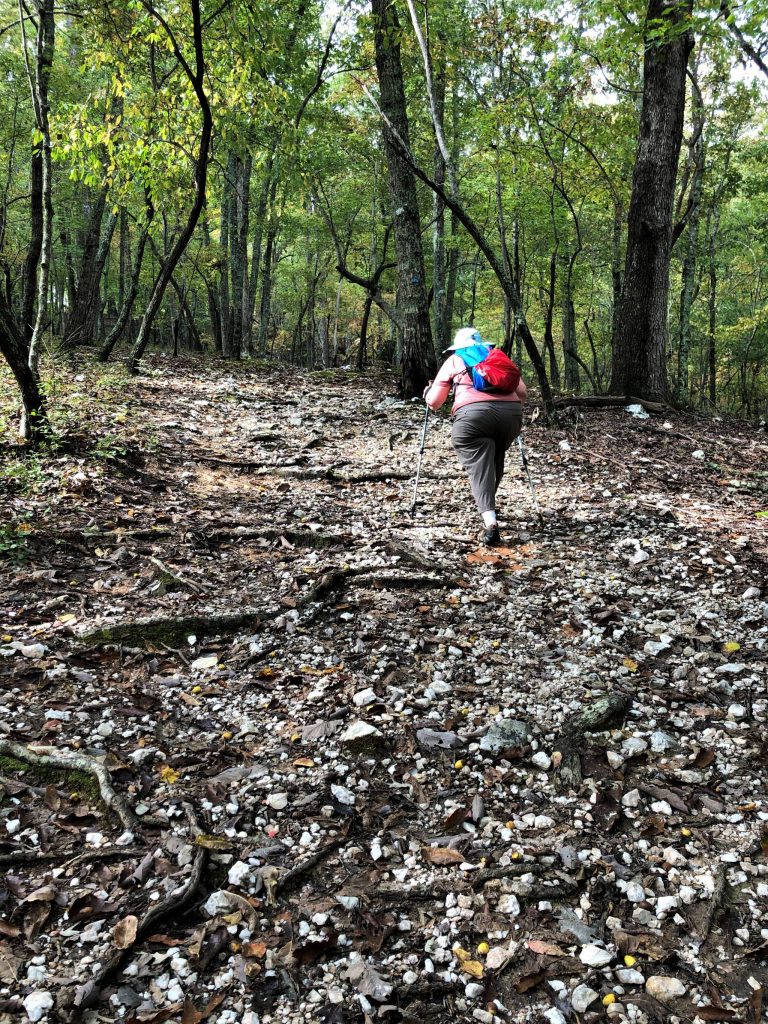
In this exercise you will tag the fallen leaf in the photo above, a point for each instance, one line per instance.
(441, 855)
(545, 948)
(472, 967)
(124, 932)
(213, 842)
(192, 1015)
(255, 949)
(529, 981)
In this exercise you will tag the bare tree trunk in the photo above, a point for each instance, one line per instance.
(227, 202)
(13, 347)
(266, 288)
(696, 160)
(639, 355)
(124, 315)
(418, 357)
(35, 247)
(46, 29)
(549, 343)
(253, 283)
(197, 80)
(82, 318)
(616, 275)
(712, 307)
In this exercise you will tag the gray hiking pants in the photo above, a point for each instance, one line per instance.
(481, 435)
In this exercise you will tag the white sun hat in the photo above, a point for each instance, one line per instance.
(465, 337)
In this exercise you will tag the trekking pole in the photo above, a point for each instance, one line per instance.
(421, 456)
(524, 457)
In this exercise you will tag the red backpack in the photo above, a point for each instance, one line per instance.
(491, 370)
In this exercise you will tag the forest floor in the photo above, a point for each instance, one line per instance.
(359, 767)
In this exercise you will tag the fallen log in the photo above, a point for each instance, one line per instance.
(610, 401)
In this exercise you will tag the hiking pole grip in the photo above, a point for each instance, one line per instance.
(421, 455)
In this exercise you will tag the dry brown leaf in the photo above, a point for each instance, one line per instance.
(257, 949)
(194, 1016)
(529, 981)
(545, 948)
(124, 932)
(441, 855)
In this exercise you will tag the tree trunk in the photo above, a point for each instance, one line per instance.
(364, 331)
(46, 29)
(438, 211)
(687, 292)
(712, 305)
(32, 260)
(570, 350)
(616, 275)
(549, 343)
(238, 241)
(639, 356)
(124, 315)
(227, 202)
(253, 282)
(13, 347)
(197, 80)
(81, 321)
(244, 225)
(418, 358)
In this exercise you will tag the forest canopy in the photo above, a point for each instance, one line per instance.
(336, 185)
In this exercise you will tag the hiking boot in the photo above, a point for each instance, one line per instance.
(491, 537)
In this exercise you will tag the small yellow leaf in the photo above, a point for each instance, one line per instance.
(295, 737)
(227, 735)
(197, 689)
(630, 664)
(212, 842)
(731, 647)
(168, 774)
(461, 954)
(686, 832)
(304, 762)
(458, 765)
(610, 998)
(6, 639)
(67, 617)
(472, 967)
(630, 961)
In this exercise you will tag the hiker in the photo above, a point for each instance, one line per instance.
(484, 422)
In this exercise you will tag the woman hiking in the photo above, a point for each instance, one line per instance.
(486, 418)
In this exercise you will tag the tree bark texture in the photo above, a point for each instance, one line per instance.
(32, 259)
(82, 319)
(639, 356)
(126, 308)
(688, 288)
(196, 78)
(418, 359)
(46, 29)
(14, 349)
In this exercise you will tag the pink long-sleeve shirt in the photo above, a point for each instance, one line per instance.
(453, 371)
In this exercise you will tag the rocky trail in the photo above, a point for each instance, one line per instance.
(271, 750)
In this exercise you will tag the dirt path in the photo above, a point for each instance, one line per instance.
(368, 769)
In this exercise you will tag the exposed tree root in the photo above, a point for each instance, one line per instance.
(176, 902)
(51, 757)
(161, 628)
(605, 713)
